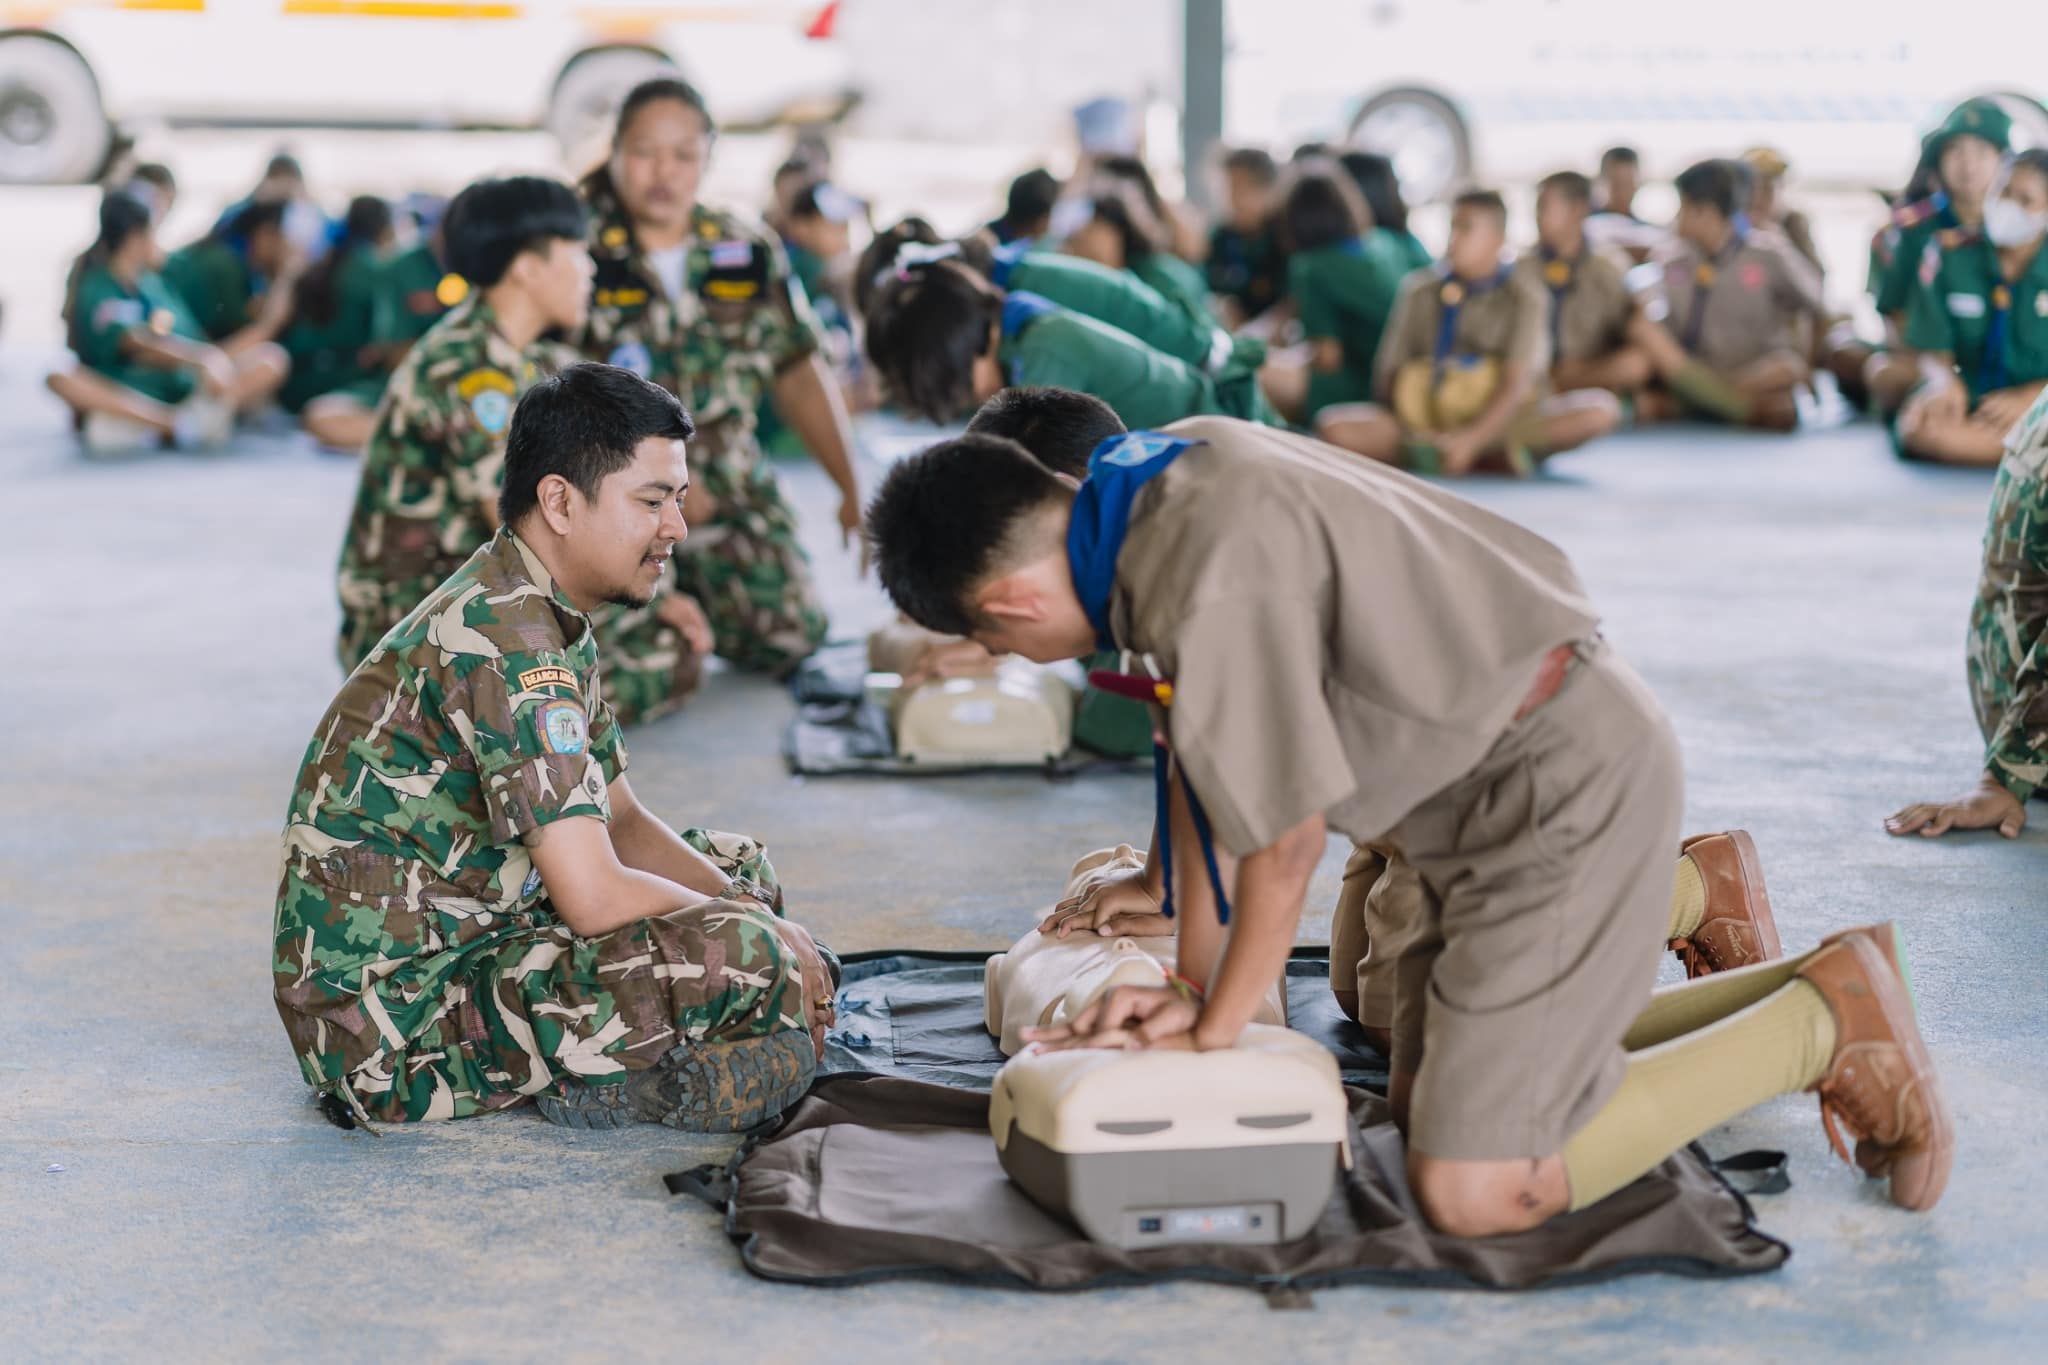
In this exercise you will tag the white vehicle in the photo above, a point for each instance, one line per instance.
(1509, 90)
(72, 72)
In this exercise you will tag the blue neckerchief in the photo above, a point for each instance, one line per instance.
(1453, 293)
(1742, 224)
(1021, 308)
(1004, 259)
(1117, 472)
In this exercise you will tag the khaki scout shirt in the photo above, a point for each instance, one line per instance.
(1590, 305)
(1755, 294)
(1343, 639)
(1509, 321)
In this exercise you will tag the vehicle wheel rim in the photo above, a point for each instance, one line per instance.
(26, 119)
(1420, 142)
(2029, 121)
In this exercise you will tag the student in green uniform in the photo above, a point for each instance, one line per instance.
(238, 279)
(1126, 231)
(1342, 275)
(1461, 377)
(1245, 269)
(1375, 178)
(414, 288)
(336, 379)
(146, 372)
(944, 339)
(1962, 160)
(1978, 320)
(1027, 209)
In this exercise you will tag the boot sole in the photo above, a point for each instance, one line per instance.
(720, 1087)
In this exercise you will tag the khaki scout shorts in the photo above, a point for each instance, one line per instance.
(1510, 928)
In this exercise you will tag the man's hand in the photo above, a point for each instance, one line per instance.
(1127, 1017)
(817, 980)
(1990, 806)
(1109, 903)
(950, 659)
(680, 611)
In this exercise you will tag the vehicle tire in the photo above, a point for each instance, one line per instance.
(588, 93)
(2029, 119)
(52, 129)
(1425, 137)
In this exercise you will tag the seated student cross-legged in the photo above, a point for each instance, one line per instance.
(1591, 309)
(1471, 716)
(1461, 376)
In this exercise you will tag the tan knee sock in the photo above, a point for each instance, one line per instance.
(1689, 1005)
(1688, 899)
(1677, 1090)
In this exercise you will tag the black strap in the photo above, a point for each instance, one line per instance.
(1286, 1298)
(1760, 1171)
(710, 1183)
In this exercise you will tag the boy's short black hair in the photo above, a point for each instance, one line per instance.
(926, 326)
(1323, 208)
(1031, 197)
(1485, 201)
(1571, 184)
(1625, 156)
(1712, 184)
(949, 517)
(491, 222)
(583, 424)
(1060, 427)
(1254, 163)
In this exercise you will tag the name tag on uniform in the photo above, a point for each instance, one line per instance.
(735, 272)
(1966, 305)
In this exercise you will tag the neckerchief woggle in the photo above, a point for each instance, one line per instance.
(1117, 471)
(1453, 293)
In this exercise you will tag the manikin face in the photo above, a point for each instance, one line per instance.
(1969, 167)
(1476, 241)
(617, 545)
(559, 281)
(658, 164)
(1560, 220)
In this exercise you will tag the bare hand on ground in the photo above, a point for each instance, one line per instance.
(1990, 806)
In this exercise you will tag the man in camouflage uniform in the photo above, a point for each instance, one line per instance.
(735, 331)
(473, 908)
(2008, 648)
(427, 499)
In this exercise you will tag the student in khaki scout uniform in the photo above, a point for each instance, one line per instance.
(1343, 274)
(943, 339)
(473, 908)
(1245, 270)
(2007, 653)
(1739, 310)
(428, 495)
(1591, 308)
(1979, 323)
(337, 376)
(1308, 678)
(1462, 371)
(239, 278)
(146, 373)
(703, 304)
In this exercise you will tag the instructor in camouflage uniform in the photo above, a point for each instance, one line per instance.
(2008, 649)
(704, 304)
(473, 908)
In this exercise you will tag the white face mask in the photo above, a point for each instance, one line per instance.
(2007, 223)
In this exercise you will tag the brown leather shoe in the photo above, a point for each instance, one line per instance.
(1880, 1084)
(1738, 930)
(1873, 1158)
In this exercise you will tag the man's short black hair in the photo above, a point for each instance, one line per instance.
(926, 326)
(1713, 184)
(583, 424)
(1571, 184)
(1031, 196)
(1625, 156)
(947, 518)
(1254, 163)
(1060, 427)
(491, 222)
(1485, 201)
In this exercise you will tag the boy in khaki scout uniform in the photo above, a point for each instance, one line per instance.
(1332, 645)
(1978, 320)
(705, 305)
(1462, 370)
(1739, 310)
(1590, 306)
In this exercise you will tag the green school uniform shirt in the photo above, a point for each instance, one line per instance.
(216, 283)
(1125, 302)
(1345, 293)
(1954, 306)
(327, 356)
(1045, 344)
(105, 311)
(408, 299)
(1176, 281)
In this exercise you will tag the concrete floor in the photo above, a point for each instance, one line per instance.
(166, 1190)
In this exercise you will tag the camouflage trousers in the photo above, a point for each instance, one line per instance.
(539, 1004)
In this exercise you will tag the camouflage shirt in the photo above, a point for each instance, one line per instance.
(741, 320)
(432, 469)
(2008, 660)
(476, 723)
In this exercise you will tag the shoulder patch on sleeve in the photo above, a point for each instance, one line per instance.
(563, 727)
(488, 392)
